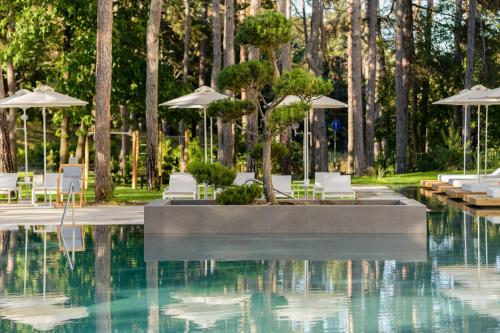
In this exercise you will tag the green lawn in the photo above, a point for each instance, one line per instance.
(126, 195)
(412, 178)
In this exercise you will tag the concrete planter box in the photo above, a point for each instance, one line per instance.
(365, 216)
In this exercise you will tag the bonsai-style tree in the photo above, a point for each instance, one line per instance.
(265, 88)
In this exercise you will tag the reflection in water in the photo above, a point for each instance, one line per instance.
(102, 249)
(41, 311)
(448, 281)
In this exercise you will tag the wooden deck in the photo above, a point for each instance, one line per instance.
(482, 200)
(458, 193)
(429, 183)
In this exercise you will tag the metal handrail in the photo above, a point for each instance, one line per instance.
(61, 235)
(274, 189)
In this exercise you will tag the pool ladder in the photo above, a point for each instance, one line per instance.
(71, 195)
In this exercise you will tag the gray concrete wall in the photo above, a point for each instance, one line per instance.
(406, 217)
(165, 247)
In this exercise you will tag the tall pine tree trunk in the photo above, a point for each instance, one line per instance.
(63, 146)
(217, 44)
(380, 73)
(315, 62)
(424, 101)
(415, 87)
(226, 156)
(80, 145)
(371, 86)
(6, 164)
(152, 43)
(402, 71)
(183, 129)
(11, 82)
(286, 65)
(12, 87)
(469, 67)
(103, 186)
(203, 48)
(124, 142)
(457, 56)
(355, 143)
(252, 124)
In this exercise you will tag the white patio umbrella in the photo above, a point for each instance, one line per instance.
(199, 99)
(18, 93)
(487, 98)
(464, 98)
(43, 97)
(318, 102)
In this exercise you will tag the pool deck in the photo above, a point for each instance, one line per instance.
(19, 215)
(131, 214)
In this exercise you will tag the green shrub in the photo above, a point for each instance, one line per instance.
(215, 174)
(239, 195)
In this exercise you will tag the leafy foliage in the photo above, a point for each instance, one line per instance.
(301, 83)
(279, 152)
(266, 30)
(215, 174)
(251, 75)
(287, 115)
(230, 110)
(239, 195)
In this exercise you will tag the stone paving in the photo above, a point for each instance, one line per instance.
(18, 214)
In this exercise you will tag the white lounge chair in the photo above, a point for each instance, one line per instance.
(318, 180)
(482, 180)
(493, 192)
(446, 177)
(8, 184)
(70, 174)
(282, 183)
(50, 187)
(336, 186)
(243, 177)
(478, 187)
(181, 185)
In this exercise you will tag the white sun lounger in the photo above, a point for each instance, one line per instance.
(8, 184)
(336, 186)
(243, 177)
(447, 177)
(282, 183)
(49, 189)
(318, 180)
(479, 187)
(493, 192)
(482, 180)
(181, 185)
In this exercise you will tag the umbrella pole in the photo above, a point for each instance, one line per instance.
(478, 141)
(211, 141)
(205, 132)
(486, 144)
(25, 118)
(44, 157)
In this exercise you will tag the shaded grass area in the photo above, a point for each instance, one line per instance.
(125, 194)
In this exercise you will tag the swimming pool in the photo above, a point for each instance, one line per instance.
(125, 282)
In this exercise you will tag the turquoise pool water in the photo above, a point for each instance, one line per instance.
(122, 281)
